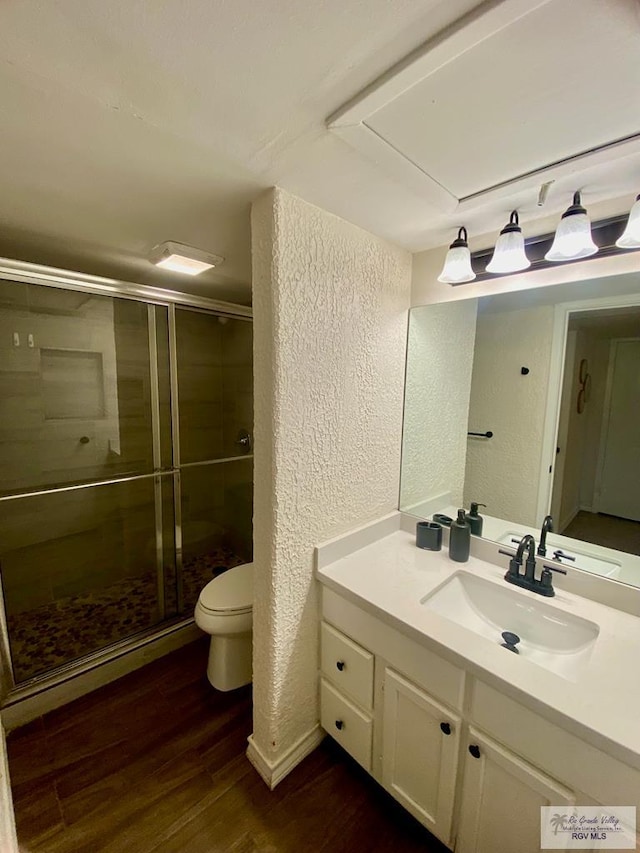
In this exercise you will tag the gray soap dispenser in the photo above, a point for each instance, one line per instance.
(460, 538)
(474, 519)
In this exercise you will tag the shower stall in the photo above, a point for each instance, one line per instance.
(126, 479)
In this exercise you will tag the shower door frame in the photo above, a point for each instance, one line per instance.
(27, 273)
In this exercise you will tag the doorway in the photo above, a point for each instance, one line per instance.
(596, 484)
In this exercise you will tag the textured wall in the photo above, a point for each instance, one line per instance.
(330, 314)
(513, 407)
(439, 362)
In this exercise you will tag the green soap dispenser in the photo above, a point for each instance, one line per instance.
(460, 538)
(474, 520)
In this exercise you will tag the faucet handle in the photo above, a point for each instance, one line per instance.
(546, 585)
(560, 555)
(555, 569)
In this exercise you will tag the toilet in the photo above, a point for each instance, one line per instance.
(225, 610)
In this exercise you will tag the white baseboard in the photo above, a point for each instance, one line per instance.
(273, 772)
(24, 710)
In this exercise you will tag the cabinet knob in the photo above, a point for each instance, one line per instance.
(474, 749)
(339, 725)
(340, 665)
(445, 728)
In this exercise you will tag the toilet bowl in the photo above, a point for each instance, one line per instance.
(225, 610)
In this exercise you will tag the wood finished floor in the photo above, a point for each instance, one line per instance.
(606, 530)
(156, 762)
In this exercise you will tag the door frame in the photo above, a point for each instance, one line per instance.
(562, 316)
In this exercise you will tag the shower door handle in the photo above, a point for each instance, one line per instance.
(244, 440)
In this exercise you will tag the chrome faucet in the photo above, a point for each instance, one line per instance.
(547, 527)
(528, 580)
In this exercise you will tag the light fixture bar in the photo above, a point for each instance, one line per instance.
(605, 232)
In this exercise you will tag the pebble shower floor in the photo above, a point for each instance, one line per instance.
(55, 634)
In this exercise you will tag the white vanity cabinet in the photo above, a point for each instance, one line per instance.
(417, 736)
(470, 763)
(420, 747)
(501, 798)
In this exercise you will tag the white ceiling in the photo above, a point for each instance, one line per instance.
(129, 122)
(522, 99)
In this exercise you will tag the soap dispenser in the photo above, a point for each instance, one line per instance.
(460, 538)
(474, 520)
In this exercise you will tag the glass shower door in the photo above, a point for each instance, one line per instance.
(86, 493)
(79, 570)
(214, 420)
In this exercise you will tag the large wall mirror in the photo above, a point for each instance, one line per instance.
(529, 402)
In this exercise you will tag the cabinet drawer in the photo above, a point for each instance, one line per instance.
(441, 678)
(349, 726)
(347, 665)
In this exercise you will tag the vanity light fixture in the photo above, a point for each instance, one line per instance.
(183, 259)
(457, 265)
(509, 254)
(630, 239)
(573, 238)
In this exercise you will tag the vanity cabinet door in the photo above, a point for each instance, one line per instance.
(501, 799)
(420, 743)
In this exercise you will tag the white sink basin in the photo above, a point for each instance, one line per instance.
(549, 637)
(597, 565)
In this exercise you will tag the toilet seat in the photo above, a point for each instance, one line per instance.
(230, 593)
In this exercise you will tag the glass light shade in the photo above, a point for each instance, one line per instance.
(187, 266)
(573, 238)
(457, 265)
(187, 260)
(630, 239)
(509, 254)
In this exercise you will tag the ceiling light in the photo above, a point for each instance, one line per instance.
(630, 239)
(457, 265)
(183, 259)
(509, 254)
(573, 235)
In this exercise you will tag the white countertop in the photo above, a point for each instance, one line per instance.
(391, 576)
(494, 529)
